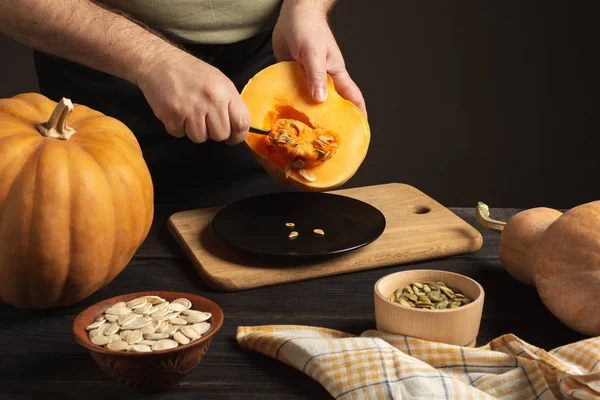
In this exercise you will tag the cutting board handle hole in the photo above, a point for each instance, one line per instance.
(421, 210)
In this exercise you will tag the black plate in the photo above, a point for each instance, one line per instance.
(257, 224)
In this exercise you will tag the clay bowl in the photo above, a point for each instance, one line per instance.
(457, 326)
(148, 372)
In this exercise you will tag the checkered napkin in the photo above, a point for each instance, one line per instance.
(384, 366)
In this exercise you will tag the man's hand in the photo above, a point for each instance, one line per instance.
(195, 99)
(302, 33)
(188, 95)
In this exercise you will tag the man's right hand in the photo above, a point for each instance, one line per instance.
(194, 98)
(188, 95)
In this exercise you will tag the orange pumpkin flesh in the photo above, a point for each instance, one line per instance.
(557, 253)
(76, 201)
(277, 97)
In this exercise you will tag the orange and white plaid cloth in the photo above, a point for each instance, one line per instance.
(376, 365)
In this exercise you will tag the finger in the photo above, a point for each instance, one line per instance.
(315, 65)
(174, 128)
(239, 116)
(196, 129)
(346, 87)
(217, 123)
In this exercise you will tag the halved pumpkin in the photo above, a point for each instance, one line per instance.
(311, 146)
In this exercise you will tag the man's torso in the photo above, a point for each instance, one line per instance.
(203, 21)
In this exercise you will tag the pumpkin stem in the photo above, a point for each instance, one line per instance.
(56, 127)
(482, 215)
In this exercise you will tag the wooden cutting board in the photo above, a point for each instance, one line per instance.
(417, 228)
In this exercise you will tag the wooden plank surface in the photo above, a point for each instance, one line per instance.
(417, 228)
(39, 359)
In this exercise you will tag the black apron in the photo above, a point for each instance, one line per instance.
(183, 172)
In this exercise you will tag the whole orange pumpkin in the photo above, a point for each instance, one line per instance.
(557, 253)
(76, 200)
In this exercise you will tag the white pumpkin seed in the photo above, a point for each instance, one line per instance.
(137, 303)
(112, 328)
(178, 321)
(201, 327)
(111, 318)
(307, 175)
(162, 325)
(143, 309)
(180, 338)
(190, 332)
(184, 302)
(114, 337)
(97, 331)
(138, 323)
(118, 345)
(134, 337)
(95, 325)
(140, 348)
(164, 344)
(100, 340)
(148, 329)
(156, 336)
(118, 310)
(153, 299)
(170, 329)
(177, 307)
(125, 319)
(198, 317)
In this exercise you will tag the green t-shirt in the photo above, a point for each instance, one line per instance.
(203, 21)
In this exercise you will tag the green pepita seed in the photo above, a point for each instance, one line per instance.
(429, 296)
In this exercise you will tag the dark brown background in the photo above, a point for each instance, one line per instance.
(467, 100)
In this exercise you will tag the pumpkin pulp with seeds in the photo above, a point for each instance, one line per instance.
(301, 145)
(311, 146)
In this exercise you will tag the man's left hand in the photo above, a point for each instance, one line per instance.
(302, 33)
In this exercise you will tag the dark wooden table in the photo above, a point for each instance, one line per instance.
(39, 359)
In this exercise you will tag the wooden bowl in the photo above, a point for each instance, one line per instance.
(153, 371)
(457, 326)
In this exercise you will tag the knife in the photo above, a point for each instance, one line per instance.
(259, 131)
